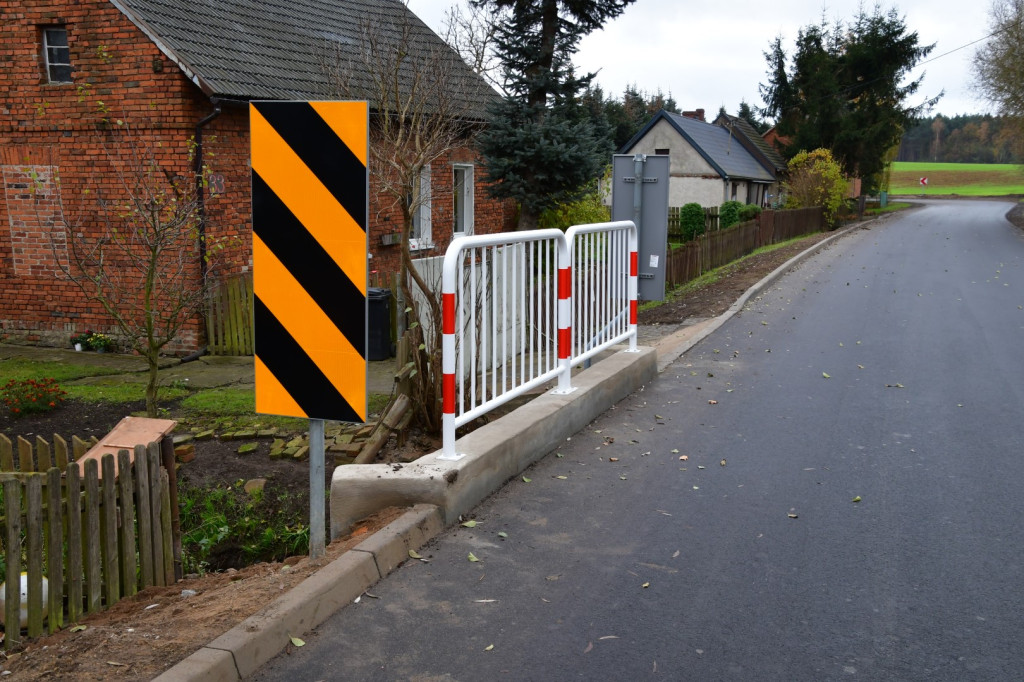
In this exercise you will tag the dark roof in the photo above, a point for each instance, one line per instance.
(755, 144)
(276, 49)
(725, 154)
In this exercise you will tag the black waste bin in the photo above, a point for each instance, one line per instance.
(378, 334)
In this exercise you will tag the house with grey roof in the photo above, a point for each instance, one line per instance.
(181, 73)
(708, 164)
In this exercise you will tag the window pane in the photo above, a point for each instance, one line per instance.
(57, 55)
(56, 37)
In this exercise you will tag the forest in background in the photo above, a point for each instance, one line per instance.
(976, 138)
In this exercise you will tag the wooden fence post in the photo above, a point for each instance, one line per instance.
(12, 606)
(55, 550)
(74, 507)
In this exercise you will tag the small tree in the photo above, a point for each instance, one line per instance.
(138, 255)
(424, 104)
(999, 63)
(815, 179)
(729, 214)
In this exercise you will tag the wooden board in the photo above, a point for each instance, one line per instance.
(128, 433)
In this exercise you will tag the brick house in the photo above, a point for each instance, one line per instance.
(181, 74)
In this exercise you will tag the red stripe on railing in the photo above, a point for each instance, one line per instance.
(448, 392)
(632, 311)
(564, 283)
(633, 263)
(448, 313)
(564, 341)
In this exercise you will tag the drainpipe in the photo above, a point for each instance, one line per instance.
(200, 190)
(725, 189)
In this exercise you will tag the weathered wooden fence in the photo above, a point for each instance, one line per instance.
(93, 535)
(715, 249)
(229, 317)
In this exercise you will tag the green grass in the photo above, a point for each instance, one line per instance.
(892, 206)
(964, 179)
(17, 368)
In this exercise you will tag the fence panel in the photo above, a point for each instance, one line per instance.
(536, 292)
(229, 317)
(83, 545)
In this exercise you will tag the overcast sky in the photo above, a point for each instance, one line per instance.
(709, 54)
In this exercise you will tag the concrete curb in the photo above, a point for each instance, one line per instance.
(240, 651)
(494, 453)
(672, 346)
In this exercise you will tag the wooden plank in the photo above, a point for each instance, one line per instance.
(6, 454)
(169, 460)
(78, 447)
(25, 463)
(155, 502)
(108, 532)
(128, 433)
(73, 485)
(12, 595)
(43, 461)
(166, 532)
(126, 489)
(34, 543)
(145, 528)
(60, 452)
(91, 540)
(55, 550)
(250, 347)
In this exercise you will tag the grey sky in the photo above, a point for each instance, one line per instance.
(710, 54)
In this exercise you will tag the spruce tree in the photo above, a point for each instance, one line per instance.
(542, 145)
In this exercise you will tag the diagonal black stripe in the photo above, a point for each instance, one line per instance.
(296, 371)
(323, 152)
(308, 262)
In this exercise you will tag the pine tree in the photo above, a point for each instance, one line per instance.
(844, 92)
(542, 144)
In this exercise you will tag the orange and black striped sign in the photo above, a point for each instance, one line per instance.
(309, 222)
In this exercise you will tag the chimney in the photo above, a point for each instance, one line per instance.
(697, 115)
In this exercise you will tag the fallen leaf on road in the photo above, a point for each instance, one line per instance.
(469, 524)
(561, 478)
(489, 647)
(700, 466)
(296, 641)
(590, 646)
(613, 459)
(722, 463)
(608, 637)
(79, 628)
(675, 554)
(792, 516)
(712, 402)
(484, 601)
(856, 499)
(526, 480)
(414, 555)
(826, 375)
(502, 534)
(119, 665)
(645, 585)
(683, 458)
(471, 557)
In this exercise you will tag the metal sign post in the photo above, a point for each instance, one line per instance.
(310, 196)
(640, 194)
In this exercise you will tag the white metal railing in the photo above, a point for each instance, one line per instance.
(521, 309)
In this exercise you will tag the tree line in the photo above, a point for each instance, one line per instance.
(973, 138)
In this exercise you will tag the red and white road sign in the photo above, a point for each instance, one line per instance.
(924, 181)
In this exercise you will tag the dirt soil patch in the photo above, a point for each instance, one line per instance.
(142, 636)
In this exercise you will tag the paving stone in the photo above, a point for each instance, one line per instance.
(247, 448)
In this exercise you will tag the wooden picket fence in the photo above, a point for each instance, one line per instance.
(229, 317)
(95, 535)
(714, 249)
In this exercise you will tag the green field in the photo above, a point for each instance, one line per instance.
(965, 179)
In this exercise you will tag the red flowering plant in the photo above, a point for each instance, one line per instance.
(29, 396)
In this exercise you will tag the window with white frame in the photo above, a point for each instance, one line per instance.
(57, 54)
(462, 199)
(420, 236)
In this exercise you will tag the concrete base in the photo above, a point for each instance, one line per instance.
(494, 453)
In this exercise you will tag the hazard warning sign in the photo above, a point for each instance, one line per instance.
(309, 206)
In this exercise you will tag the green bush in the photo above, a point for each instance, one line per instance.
(691, 217)
(729, 214)
(749, 212)
(588, 208)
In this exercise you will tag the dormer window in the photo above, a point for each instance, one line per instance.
(57, 54)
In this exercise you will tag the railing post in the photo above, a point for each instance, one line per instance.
(565, 299)
(448, 279)
(633, 274)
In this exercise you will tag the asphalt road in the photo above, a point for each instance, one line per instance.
(707, 527)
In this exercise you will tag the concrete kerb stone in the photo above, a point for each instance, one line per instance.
(494, 453)
(240, 651)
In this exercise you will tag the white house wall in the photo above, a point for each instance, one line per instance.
(692, 178)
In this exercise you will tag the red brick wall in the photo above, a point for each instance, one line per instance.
(49, 131)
